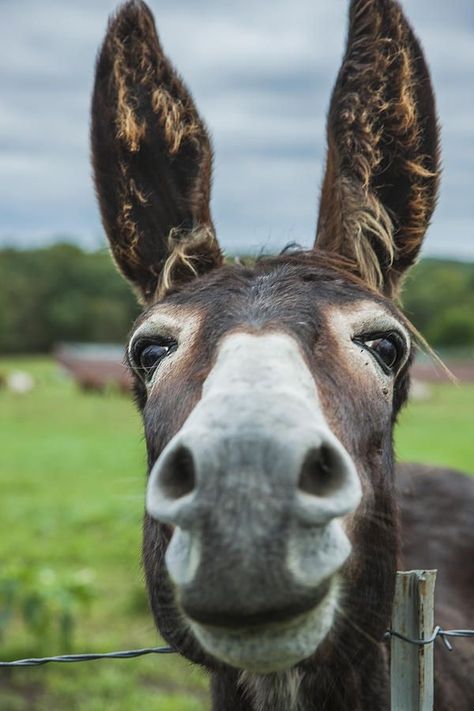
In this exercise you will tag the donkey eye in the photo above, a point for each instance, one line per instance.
(387, 348)
(147, 355)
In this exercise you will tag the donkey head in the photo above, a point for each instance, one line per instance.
(268, 393)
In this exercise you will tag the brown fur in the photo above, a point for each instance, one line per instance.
(189, 255)
(152, 162)
(293, 293)
(382, 169)
(151, 153)
(436, 508)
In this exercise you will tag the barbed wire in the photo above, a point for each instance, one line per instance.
(132, 653)
(69, 658)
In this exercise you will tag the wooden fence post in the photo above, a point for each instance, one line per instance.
(411, 666)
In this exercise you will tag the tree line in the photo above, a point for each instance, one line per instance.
(62, 293)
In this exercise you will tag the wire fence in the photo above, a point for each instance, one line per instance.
(437, 632)
(132, 653)
(70, 658)
(411, 675)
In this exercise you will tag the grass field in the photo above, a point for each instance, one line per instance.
(72, 480)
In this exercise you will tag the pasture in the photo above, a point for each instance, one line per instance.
(72, 481)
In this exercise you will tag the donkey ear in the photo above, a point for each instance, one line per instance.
(151, 158)
(382, 169)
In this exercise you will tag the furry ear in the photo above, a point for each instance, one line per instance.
(382, 170)
(151, 157)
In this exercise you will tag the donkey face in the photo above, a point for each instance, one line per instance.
(259, 453)
(268, 394)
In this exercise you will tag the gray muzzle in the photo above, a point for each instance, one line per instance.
(254, 484)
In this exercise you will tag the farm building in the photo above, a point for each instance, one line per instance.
(95, 366)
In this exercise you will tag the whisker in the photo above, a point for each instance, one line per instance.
(356, 627)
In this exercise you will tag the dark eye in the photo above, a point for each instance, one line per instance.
(387, 348)
(147, 355)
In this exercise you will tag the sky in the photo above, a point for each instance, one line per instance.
(261, 73)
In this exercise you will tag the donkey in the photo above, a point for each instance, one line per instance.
(274, 522)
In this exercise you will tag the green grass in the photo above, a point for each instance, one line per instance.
(72, 470)
(439, 430)
(72, 482)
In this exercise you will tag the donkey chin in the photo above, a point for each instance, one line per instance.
(256, 489)
(272, 647)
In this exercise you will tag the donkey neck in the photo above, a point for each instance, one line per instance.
(330, 687)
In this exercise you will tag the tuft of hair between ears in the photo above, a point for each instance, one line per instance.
(191, 253)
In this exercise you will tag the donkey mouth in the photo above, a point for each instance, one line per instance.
(273, 641)
(226, 620)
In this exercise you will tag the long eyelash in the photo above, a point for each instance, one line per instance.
(425, 347)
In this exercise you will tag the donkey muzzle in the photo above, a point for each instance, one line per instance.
(255, 485)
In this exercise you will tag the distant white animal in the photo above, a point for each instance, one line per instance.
(20, 382)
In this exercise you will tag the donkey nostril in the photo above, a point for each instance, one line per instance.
(321, 473)
(178, 477)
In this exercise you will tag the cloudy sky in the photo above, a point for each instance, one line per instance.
(261, 73)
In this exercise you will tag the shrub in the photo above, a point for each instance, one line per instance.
(46, 602)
